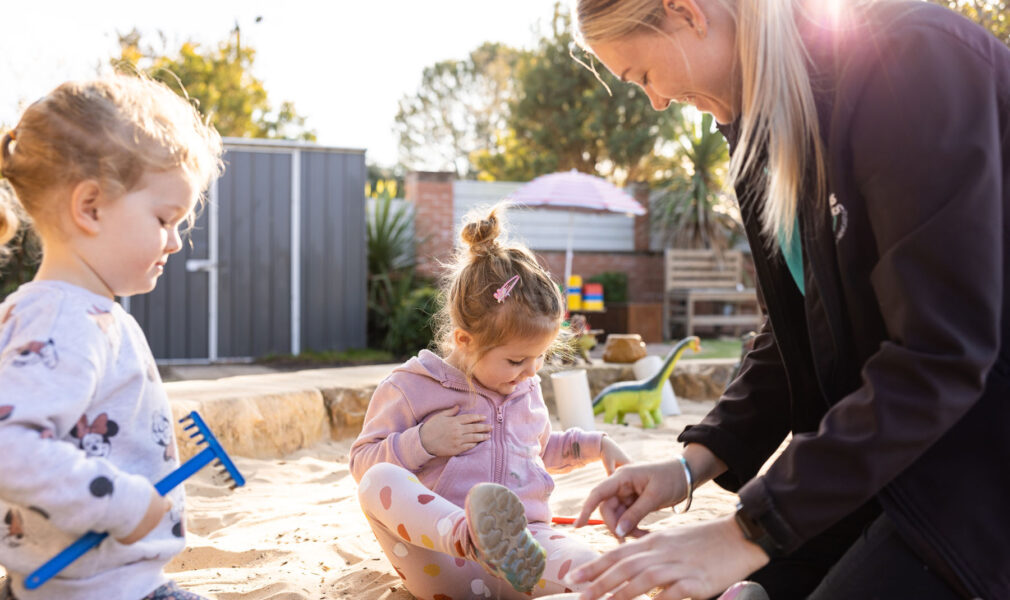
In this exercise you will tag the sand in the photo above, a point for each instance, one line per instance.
(296, 531)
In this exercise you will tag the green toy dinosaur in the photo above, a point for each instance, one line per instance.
(644, 396)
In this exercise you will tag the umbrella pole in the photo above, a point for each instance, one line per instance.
(568, 255)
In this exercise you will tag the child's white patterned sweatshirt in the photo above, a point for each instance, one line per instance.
(85, 431)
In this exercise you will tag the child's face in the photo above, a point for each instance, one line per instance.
(506, 366)
(140, 230)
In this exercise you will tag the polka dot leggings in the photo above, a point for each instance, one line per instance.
(425, 538)
(171, 591)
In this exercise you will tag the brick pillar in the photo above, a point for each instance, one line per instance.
(639, 190)
(431, 195)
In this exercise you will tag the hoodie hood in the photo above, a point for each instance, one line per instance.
(430, 365)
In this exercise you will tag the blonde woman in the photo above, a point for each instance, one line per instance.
(871, 156)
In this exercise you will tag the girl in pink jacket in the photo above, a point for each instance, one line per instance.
(452, 461)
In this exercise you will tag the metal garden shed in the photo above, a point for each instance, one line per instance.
(276, 263)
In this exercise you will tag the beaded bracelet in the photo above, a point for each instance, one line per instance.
(690, 485)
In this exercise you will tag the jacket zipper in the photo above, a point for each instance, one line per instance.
(499, 455)
(497, 431)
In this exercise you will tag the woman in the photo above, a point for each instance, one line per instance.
(871, 155)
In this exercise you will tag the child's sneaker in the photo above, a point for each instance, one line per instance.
(745, 590)
(496, 520)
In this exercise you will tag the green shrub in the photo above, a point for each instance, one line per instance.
(615, 285)
(410, 327)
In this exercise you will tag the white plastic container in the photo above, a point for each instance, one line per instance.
(645, 368)
(571, 394)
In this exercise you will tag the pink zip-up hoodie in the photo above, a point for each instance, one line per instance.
(519, 454)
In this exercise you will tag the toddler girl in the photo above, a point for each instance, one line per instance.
(454, 454)
(105, 172)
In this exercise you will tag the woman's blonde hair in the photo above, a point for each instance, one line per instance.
(778, 125)
(113, 130)
(483, 263)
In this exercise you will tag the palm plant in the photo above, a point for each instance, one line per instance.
(389, 237)
(692, 210)
(390, 264)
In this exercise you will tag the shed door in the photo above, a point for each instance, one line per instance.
(175, 315)
(254, 254)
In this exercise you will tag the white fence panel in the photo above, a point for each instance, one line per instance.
(545, 228)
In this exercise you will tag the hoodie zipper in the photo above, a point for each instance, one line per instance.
(497, 431)
(499, 456)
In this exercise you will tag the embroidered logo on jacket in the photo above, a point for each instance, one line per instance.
(839, 217)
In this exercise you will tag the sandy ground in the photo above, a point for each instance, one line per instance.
(296, 531)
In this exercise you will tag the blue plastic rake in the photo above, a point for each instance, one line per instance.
(188, 469)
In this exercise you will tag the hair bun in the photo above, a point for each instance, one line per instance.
(481, 234)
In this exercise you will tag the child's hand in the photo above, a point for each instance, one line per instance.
(155, 511)
(612, 455)
(449, 434)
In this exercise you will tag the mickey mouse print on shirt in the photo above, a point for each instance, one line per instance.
(36, 352)
(7, 315)
(94, 438)
(15, 529)
(163, 436)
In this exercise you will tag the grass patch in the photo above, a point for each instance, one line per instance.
(716, 348)
(329, 358)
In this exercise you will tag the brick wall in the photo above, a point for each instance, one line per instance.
(431, 195)
(640, 192)
(644, 269)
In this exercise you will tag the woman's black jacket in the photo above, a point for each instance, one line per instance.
(893, 372)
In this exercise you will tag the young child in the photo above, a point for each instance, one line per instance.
(454, 454)
(106, 171)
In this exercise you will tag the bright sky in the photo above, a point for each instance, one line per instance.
(344, 64)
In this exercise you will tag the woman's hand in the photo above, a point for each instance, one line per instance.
(612, 456)
(448, 433)
(632, 492)
(692, 561)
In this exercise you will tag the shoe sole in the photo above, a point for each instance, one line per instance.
(745, 590)
(497, 521)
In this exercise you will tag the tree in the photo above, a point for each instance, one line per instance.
(994, 15)
(691, 209)
(562, 117)
(220, 79)
(456, 111)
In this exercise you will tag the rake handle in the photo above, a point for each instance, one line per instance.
(92, 539)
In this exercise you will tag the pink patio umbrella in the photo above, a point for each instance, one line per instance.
(575, 190)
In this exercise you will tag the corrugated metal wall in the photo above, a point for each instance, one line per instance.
(175, 315)
(334, 267)
(256, 245)
(254, 198)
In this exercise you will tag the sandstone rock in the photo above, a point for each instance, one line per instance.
(346, 409)
(256, 416)
(624, 348)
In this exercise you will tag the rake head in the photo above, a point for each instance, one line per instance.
(223, 463)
